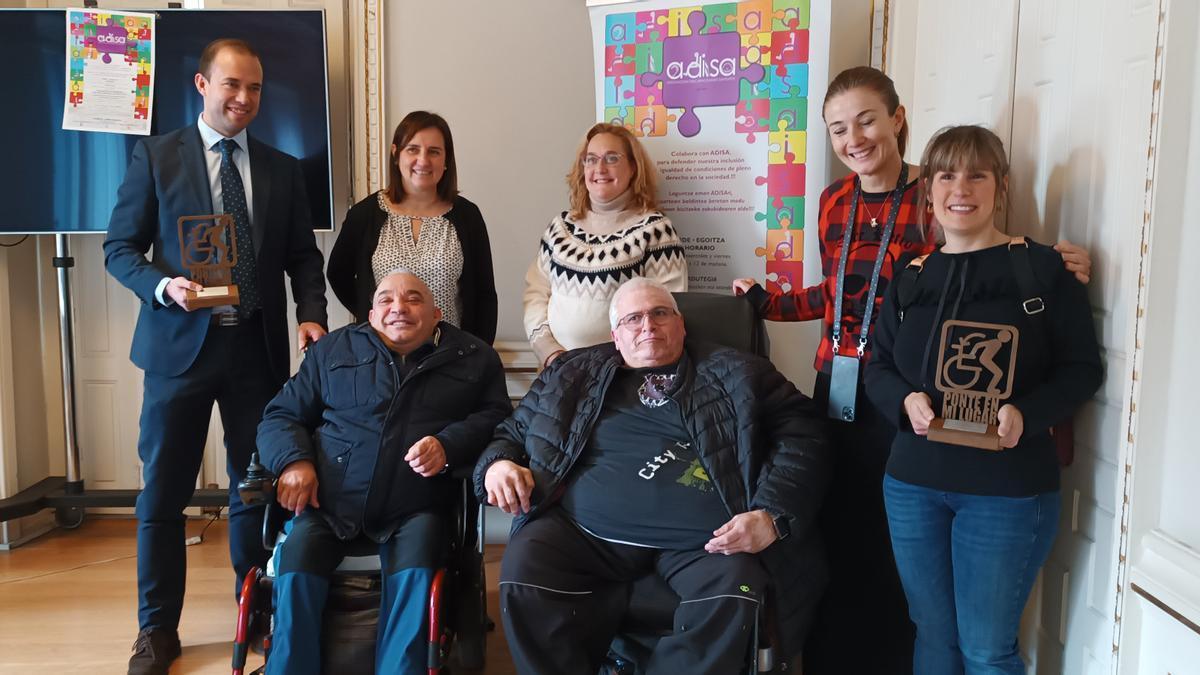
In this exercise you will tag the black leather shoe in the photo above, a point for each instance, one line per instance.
(153, 652)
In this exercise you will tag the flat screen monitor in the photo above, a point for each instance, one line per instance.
(53, 180)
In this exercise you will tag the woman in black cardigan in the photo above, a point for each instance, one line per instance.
(420, 223)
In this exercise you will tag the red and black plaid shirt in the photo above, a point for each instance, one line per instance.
(818, 301)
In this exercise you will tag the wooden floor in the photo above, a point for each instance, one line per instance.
(68, 603)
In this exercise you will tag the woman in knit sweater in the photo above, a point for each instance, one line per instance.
(612, 233)
(962, 340)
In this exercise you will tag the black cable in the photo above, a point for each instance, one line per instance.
(212, 520)
(16, 243)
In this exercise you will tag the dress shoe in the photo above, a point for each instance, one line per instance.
(153, 651)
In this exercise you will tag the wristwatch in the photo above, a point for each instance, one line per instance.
(782, 526)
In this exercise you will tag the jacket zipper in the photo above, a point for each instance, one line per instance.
(700, 456)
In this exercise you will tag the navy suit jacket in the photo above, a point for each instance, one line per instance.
(168, 178)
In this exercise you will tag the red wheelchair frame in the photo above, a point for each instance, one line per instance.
(465, 574)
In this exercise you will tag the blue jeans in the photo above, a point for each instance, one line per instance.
(967, 563)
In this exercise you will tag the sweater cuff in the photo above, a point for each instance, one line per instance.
(758, 297)
(543, 343)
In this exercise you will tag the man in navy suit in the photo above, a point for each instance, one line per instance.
(236, 356)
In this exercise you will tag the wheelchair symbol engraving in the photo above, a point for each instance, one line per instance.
(974, 353)
(977, 358)
(208, 248)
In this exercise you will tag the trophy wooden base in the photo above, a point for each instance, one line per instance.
(970, 434)
(213, 296)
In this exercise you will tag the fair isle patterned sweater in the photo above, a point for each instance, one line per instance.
(569, 285)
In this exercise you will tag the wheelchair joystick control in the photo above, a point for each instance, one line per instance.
(257, 486)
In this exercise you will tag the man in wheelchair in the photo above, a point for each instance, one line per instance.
(656, 454)
(363, 439)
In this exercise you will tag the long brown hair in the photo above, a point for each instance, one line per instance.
(643, 186)
(414, 123)
(968, 147)
(869, 78)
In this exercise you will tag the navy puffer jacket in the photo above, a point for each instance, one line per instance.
(350, 412)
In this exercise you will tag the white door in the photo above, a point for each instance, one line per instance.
(1081, 126)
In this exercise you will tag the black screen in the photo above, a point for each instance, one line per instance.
(66, 181)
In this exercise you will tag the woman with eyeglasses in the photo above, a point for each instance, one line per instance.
(612, 233)
(421, 223)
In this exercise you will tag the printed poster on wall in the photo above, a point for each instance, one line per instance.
(723, 96)
(110, 71)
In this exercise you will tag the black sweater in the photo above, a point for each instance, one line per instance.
(353, 283)
(1057, 367)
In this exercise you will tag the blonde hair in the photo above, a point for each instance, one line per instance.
(643, 186)
(968, 147)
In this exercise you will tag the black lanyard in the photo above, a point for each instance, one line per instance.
(897, 195)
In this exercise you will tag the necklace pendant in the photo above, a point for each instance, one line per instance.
(875, 222)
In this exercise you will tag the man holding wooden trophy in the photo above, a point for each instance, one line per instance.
(213, 323)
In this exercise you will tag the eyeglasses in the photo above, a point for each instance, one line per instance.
(658, 316)
(608, 158)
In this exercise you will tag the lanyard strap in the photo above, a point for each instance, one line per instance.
(885, 239)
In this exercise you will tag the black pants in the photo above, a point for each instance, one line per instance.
(232, 369)
(862, 625)
(563, 593)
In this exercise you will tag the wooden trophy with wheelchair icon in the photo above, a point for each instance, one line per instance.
(975, 375)
(208, 249)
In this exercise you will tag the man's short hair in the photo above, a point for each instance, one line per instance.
(213, 48)
(633, 284)
(397, 270)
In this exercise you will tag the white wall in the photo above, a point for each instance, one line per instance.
(514, 80)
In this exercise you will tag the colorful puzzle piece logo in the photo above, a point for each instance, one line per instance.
(785, 276)
(700, 70)
(782, 244)
(783, 180)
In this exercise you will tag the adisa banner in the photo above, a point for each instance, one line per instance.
(723, 96)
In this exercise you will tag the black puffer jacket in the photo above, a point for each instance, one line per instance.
(351, 412)
(759, 439)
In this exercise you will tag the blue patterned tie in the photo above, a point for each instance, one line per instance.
(233, 195)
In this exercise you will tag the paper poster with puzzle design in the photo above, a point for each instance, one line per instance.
(110, 71)
(723, 96)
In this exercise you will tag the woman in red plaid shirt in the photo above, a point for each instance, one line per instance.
(868, 129)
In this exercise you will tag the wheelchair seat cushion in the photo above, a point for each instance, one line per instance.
(368, 563)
